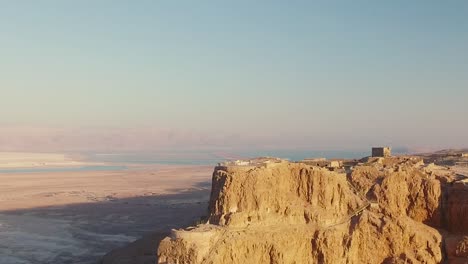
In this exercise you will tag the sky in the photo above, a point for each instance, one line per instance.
(322, 75)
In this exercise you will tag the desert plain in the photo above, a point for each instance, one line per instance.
(77, 216)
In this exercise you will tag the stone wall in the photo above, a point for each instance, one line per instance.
(381, 152)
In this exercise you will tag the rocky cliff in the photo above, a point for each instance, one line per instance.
(380, 210)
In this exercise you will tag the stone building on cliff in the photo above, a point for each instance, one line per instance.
(381, 152)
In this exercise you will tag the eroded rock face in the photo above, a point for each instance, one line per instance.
(375, 238)
(456, 207)
(392, 210)
(287, 193)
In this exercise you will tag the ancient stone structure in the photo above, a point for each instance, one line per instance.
(381, 152)
(324, 163)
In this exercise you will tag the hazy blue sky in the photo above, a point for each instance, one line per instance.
(331, 74)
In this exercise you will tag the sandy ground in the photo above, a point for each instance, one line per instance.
(32, 190)
(77, 217)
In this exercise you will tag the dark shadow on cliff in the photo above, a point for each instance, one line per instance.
(101, 227)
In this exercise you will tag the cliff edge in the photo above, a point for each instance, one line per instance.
(376, 210)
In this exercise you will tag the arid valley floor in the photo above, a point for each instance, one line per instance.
(78, 216)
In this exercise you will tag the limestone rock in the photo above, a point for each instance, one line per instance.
(287, 193)
(385, 210)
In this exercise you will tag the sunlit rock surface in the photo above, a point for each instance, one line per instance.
(376, 210)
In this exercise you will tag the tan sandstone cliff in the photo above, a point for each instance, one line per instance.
(382, 210)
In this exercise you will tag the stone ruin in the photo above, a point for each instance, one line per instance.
(381, 152)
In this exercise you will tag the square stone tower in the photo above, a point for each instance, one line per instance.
(381, 152)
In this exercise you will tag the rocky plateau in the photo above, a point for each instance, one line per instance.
(375, 210)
